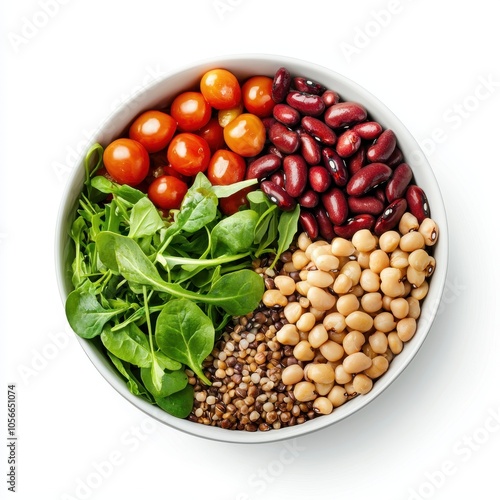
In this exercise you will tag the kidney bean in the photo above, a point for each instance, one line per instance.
(365, 205)
(309, 199)
(273, 150)
(295, 169)
(354, 224)
(307, 104)
(417, 202)
(367, 178)
(310, 149)
(268, 121)
(395, 159)
(390, 216)
(379, 193)
(319, 130)
(356, 161)
(348, 143)
(325, 226)
(278, 178)
(335, 165)
(335, 204)
(309, 224)
(281, 85)
(319, 178)
(330, 97)
(286, 115)
(278, 195)
(400, 180)
(383, 147)
(344, 114)
(368, 130)
(286, 140)
(262, 167)
(304, 85)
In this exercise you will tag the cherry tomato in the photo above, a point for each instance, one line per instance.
(245, 135)
(226, 168)
(127, 161)
(188, 153)
(231, 204)
(153, 129)
(226, 116)
(257, 95)
(167, 192)
(191, 111)
(220, 88)
(213, 133)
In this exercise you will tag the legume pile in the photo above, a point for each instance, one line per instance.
(345, 298)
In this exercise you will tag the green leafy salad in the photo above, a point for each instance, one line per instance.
(154, 292)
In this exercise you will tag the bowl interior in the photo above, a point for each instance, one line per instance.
(159, 94)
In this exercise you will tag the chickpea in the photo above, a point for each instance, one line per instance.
(323, 406)
(378, 260)
(395, 343)
(342, 284)
(321, 373)
(391, 283)
(337, 396)
(429, 230)
(320, 279)
(357, 362)
(292, 374)
(317, 336)
(353, 342)
(299, 259)
(378, 367)
(332, 351)
(325, 262)
(359, 320)
(369, 280)
(406, 328)
(304, 391)
(371, 302)
(334, 322)
(384, 322)
(320, 299)
(273, 297)
(341, 376)
(411, 241)
(352, 269)
(419, 259)
(303, 241)
(400, 308)
(288, 335)
(407, 223)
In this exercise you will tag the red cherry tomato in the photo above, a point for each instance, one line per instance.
(231, 204)
(191, 111)
(226, 168)
(257, 95)
(153, 129)
(245, 135)
(127, 161)
(167, 192)
(220, 88)
(188, 154)
(213, 133)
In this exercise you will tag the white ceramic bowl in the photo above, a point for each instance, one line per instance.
(160, 93)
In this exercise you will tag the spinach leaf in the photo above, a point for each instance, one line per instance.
(234, 234)
(287, 227)
(129, 344)
(179, 404)
(85, 314)
(170, 382)
(186, 334)
(144, 219)
(133, 384)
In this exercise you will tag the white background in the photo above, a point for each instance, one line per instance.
(434, 433)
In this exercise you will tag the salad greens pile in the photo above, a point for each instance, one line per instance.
(155, 292)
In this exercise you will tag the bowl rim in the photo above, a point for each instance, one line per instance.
(245, 60)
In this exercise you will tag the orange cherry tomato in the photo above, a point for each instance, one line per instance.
(220, 88)
(226, 168)
(188, 154)
(153, 129)
(191, 111)
(213, 133)
(167, 192)
(257, 95)
(245, 135)
(127, 161)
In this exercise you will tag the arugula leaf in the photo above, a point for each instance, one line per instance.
(234, 234)
(144, 219)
